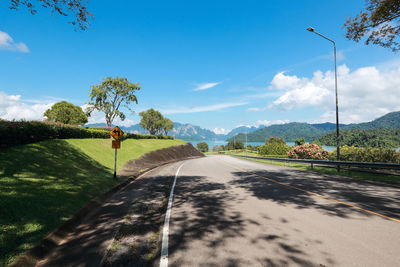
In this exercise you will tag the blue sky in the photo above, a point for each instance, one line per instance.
(216, 64)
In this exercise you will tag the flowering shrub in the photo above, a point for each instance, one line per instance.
(308, 151)
(369, 154)
(273, 148)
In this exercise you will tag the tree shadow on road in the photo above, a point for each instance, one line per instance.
(383, 199)
(204, 211)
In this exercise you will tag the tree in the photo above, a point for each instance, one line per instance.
(379, 21)
(217, 148)
(167, 125)
(76, 8)
(152, 121)
(110, 95)
(66, 113)
(275, 140)
(202, 147)
(300, 141)
(234, 145)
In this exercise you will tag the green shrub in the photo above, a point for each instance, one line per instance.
(273, 148)
(310, 151)
(13, 133)
(368, 154)
(275, 140)
(300, 141)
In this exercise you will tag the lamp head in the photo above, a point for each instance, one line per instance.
(310, 29)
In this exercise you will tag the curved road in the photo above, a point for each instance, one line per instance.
(233, 212)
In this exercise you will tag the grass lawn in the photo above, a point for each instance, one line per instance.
(391, 179)
(101, 151)
(43, 184)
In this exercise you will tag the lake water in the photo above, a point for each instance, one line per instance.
(212, 143)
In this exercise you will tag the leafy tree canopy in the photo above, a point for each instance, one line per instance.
(275, 140)
(300, 141)
(66, 113)
(167, 125)
(234, 145)
(110, 95)
(76, 8)
(379, 22)
(152, 120)
(202, 147)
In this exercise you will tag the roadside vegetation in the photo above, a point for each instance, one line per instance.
(277, 148)
(44, 183)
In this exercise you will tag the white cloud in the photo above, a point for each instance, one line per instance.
(364, 94)
(284, 82)
(7, 43)
(13, 108)
(205, 86)
(221, 131)
(202, 109)
(265, 123)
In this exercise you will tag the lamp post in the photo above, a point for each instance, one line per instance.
(311, 29)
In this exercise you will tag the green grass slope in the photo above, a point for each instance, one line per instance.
(43, 184)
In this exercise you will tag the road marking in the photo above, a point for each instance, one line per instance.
(164, 246)
(315, 194)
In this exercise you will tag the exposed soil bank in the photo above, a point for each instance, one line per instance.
(159, 157)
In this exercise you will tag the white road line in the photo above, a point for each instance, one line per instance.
(164, 246)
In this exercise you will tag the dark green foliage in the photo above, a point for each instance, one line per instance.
(202, 147)
(299, 141)
(368, 154)
(379, 21)
(275, 140)
(384, 138)
(234, 145)
(66, 113)
(154, 122)
(13, 133)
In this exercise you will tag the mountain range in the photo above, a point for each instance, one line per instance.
(288, 132)
(186, 131)
(294, 130)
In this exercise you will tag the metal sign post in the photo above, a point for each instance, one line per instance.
(116, 133)
(115, 165)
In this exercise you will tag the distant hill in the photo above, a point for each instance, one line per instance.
(291, 131)
(388, 138)
(241, 129)
(388, 121)
(185, 131)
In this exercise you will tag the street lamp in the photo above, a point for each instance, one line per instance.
(311, 29)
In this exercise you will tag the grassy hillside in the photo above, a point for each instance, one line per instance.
(101, 151)
(43, 184)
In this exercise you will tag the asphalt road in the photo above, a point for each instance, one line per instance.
(233, 212)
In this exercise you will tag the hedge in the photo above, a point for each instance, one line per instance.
(368, 154)
(13, 133)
